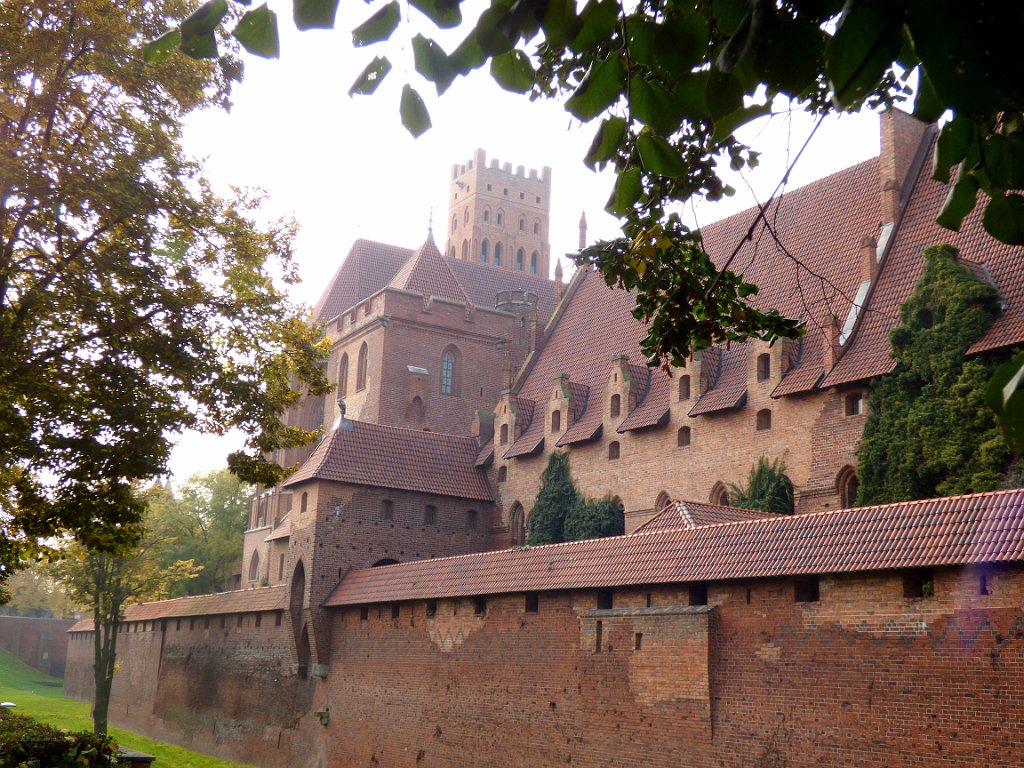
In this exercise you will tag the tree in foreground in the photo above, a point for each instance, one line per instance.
(133, 300)
(767, 488)
(929, 432)
(556, 498)
(595, 519)
(107, 582)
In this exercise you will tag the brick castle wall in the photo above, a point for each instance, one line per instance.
(39, 643)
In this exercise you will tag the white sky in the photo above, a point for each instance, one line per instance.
(346, 168)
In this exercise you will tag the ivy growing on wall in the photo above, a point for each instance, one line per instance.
(562, 513)
(929, 432)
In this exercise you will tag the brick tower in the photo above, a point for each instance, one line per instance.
(500, 217)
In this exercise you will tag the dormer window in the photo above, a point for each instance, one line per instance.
(556, 421)
(764, 367)
(616, 406)
(684, 388)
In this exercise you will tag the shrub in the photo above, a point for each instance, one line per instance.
(25, 742)
(594, 519)
(767, 488)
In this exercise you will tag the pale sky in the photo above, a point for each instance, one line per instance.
(346, 168)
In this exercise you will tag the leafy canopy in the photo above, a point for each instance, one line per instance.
(133, 300)
(767, 488)
(929, 432)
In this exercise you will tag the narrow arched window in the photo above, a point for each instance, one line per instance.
(522, 224)
(848, 486)
(613, 450)
(465, 217)
(719, 495)
(683, 437)
(520, 259)
(501, 219)
(517, 525)
(764, 419)
(387, 510)
(684, 387)
(764, 367)
(662, 501)
(615, 406)
(447, 370)
(465, 250)
(430, 515)
(487, 215)
(556, 421)
(471, 519)
(455, 222)
(483, 252)
(536, 227)
(504, 434)
(254, 567)
(497, 254)
(502, 474)
(533, 263)
(304, 500)
(361, 368)
(343, 376)
(452, 254)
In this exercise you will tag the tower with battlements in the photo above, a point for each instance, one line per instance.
(500, 217)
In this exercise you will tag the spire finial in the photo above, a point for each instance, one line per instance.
(430, 226)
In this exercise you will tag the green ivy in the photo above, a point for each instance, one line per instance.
(562, 513)
(930, 432)
(595, 519)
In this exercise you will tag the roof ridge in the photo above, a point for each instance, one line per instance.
(684, 512)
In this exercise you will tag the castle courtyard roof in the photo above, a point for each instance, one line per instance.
(363, 453)
(986, 528)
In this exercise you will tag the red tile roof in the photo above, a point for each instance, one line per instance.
(368, 267)
(589, 424)
(691, 514)
(428, 273)
(729, 388)
(980, 528)
(283, 529)
(482, 283)
(362, 453)
(239, 601)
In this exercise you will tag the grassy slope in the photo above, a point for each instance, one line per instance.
(39, 696)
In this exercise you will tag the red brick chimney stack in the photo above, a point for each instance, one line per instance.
(868, 257)
(901, 135)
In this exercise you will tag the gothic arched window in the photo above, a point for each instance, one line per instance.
(361, 368)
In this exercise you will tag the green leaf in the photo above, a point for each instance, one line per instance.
(959, 201)
(860, 52)
(431, 61)
(599, 90)
(414, 113)
(652, 105)
(468, 56)
(370, 77)
(559, 22)
(727, 125)
(489, 31)
(257, 32)
(598, 21)
(378, 27)
(681, 43)
(446, 14)
(1004, 160)
(658, 156)
(513, 71)
(606, 142)
(1005, 395)
(689, 94)
(736, 47)
(729, 14)
(952, 147)
(314, 14)
(160, 49)
(789, 55)
(724, 94)
(1004, 218)
(640, 37)
(928, 107)
(197, 31)
(628, 188)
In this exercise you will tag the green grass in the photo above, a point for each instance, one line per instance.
(40, 697)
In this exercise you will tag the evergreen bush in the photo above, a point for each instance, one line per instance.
(594, 519)
(25, 742)
(767, 489)
(555, 500)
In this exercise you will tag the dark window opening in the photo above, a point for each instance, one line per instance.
(807, 590)
(471, 519)
(613, 450)
(556, 421)
(387, 510)
(396, 611)
(983, 585)
(918, 584)
(616, 406)
(277, 618)
(764, 367)
(430, 515)
(684, 387)
(532, 602)
(259, 620)
(648, 599)
(683, 437)
(598, 632)
(638, 641)
(502, 474)
(764, 419)
(364, 612)
(854, 404)
(479, 605)
(504, 434)
(698, 593)
(748, 597)
(604, 599)
(431, 608)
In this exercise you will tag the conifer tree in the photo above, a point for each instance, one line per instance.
(556, 498)
(767, 489)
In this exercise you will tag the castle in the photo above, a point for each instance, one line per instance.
(388, 615)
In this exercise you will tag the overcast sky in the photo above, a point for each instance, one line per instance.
(345, 168)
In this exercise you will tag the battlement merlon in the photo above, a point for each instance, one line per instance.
(479, 163)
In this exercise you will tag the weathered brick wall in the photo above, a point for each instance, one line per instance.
(864, 676)
(40, 643)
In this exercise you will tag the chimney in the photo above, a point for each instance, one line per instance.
(901, 136)
(832, 349)
(868, 258)
(483, 427)
(583, 230)
(536, 339)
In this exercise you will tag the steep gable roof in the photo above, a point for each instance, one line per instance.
(367, 268)
(363, 453)
(482, 283)
(428, 273)
(975, 529)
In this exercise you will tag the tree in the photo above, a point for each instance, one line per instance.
(107, 582)
(203, 522)
(767, 488)
(35, 592)
(135, 301)
(595, 519)
(556, 498)
(929, 431)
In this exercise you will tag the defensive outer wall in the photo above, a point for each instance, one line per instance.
(854, 667)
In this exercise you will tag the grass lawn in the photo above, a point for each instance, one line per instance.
(39, 696)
